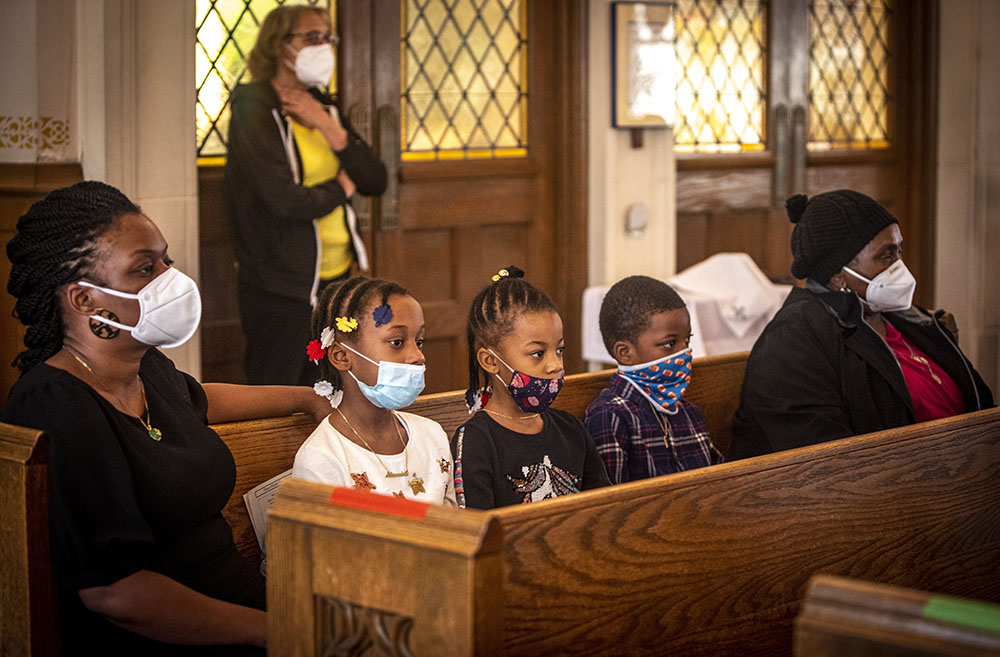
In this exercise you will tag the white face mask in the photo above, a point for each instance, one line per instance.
(169, 309)
(891, 290)
(314, 65)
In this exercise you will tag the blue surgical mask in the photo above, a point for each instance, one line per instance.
(398, 384)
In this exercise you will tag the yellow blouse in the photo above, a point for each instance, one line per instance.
(320, 164)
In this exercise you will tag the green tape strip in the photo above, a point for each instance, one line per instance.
(980, 615)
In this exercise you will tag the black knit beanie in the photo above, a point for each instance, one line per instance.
(830, 229)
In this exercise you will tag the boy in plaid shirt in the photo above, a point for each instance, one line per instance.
(640, 424)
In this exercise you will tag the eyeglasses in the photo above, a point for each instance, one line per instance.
(316, 38)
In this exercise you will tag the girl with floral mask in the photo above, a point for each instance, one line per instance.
(368, 345)
(516, 448)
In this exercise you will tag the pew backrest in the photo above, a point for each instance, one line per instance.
(708, 562)
(266, 448)
(844, 617)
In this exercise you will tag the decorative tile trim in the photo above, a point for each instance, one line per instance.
(33, 132)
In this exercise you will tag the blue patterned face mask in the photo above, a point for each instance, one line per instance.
(398, 384)
(661, 381)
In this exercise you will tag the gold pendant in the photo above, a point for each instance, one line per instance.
(155, 434)
(389, 474)
(416, 485)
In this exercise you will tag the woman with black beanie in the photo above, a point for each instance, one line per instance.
(849, 353)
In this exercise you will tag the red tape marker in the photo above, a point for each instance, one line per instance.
(367, 501)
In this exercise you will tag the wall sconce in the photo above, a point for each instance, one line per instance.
(642, 68)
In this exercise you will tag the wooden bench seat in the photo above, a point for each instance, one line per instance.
(708, 562)
(266, 448)
(843, 617)
(261, 449)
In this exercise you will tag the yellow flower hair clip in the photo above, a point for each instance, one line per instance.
(503, 273)
(346, 324)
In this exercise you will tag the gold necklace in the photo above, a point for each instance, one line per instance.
(921, 359)
(153, 432)
(406, 453)
(663, 427)
(508, 417)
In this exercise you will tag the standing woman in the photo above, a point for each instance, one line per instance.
(293, 166)
(145, 561)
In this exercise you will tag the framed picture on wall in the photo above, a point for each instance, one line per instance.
(642, 64)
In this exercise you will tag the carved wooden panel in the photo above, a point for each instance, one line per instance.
(352, 630)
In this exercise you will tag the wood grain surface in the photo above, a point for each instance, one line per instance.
(715, 561)
(28, 611)
(844, 617)
(265, 448)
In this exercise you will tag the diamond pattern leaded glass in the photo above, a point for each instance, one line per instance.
(849, 59)
(224, 35)
(464, 79)
(721, 58)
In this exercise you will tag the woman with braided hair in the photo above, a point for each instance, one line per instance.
(145, 561)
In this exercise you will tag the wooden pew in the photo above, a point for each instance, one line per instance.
(844, 617)
(265, 448)
(28, 610)
(708, 562)
(262, 449)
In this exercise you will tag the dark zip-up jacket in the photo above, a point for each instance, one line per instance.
(272, 211)
(819, 373)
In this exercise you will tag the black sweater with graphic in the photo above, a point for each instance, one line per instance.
(496, 467)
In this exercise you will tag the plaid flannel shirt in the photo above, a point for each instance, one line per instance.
(630, 439)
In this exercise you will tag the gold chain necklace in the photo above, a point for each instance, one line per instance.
(406, 452)
(659, 421)
(509, 417)
(153, 432)
(921, 359)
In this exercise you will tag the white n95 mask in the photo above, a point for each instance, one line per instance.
(314, 65)
(169, 309)
(891, 290)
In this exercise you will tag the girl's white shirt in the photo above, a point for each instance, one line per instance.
(328, 457)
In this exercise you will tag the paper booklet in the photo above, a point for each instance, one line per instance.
(258, 500)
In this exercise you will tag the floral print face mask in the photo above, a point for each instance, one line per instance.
(532, 394)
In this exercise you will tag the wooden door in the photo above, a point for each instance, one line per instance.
(844, 100)
(476, 109)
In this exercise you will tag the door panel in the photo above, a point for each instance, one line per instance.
(461, 217)
(446, 226)
(735, 202)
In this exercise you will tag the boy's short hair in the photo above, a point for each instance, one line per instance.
(629, 306)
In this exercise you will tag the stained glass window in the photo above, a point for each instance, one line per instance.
(849, 62)
(224, 35)
(721, 59)
(464, 79)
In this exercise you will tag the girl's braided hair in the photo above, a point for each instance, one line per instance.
(56, 244)
(493, 313)
(346, 299)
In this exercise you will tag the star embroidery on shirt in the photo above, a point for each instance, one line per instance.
(416, 484)
(361, 481)
(444, 463)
